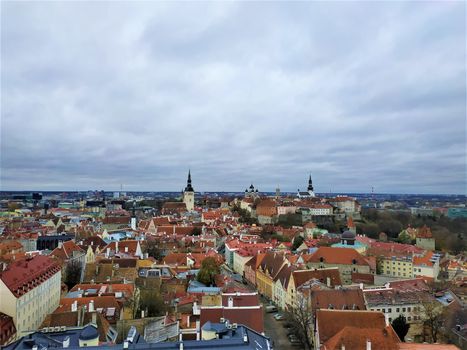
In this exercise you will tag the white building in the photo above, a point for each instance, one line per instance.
(30, 290)
(189, 194)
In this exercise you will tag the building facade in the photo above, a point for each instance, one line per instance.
(30, 290)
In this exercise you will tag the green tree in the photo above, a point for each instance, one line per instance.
(297, 242)
(401, 327)
(245, 216)
(404, 237)
(73, 273)
(196, 231)
(151, 302)
(153, 250)
(209, 270)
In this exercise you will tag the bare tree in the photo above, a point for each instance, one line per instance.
(300, 316)
(433, 318)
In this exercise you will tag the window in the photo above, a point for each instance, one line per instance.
(409, 318)
(397, 309)
(403, 309)
(409, 309)
(389, 310)
(390, 319)
(383, 310)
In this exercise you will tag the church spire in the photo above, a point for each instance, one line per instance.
(189, 187)
(310, 184)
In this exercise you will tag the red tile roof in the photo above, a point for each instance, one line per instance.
(249, 316)
(103, 302)
(334, 255)
(22, 276)
(66, 251)
(357, 338)
(302, 276)
(241, 299)
(415, 346)
(7, 328)
(339, 299)
(354, 327)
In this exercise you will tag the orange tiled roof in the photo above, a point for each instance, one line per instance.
(334, 255)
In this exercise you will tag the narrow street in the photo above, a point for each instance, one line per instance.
(275, 330)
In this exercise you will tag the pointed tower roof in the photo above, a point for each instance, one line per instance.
(189, 187)
(310, 184)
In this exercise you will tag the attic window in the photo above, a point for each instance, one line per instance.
(321, 259)
(354, 261)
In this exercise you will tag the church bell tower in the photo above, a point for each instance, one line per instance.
(189, 194)
(310, 187)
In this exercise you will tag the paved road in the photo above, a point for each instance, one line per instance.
(275, 330)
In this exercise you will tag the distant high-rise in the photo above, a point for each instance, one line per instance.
(189, 194)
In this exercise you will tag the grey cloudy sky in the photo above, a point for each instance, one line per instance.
(361, 94)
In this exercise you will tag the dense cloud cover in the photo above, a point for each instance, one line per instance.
(361, 94)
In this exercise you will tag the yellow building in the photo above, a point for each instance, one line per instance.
(266, 272)
(396, 266)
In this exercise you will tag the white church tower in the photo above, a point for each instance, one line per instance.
(189, 194)
(133, 216)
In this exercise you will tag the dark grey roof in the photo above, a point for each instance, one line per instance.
(348, 235)
(241, 338)
(89, 332)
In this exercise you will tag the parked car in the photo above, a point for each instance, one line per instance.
(279, 317)
(271, 309)
(294, 340)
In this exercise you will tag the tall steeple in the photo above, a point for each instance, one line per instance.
(133, 216)
(189, 194)
(310, 184)
(188, 187)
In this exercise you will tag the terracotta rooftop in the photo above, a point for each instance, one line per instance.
(22, 276)
(354, 327)
(338, 299)
(334, 255)
(357, 338)
(322, 275)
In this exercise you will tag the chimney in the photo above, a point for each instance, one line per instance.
(60, 244)
(91, 306)
(126, 249)
(368, 344)
(342, 347)
(198, 323)
(116, 247)
(107, 253)
(328, 281)
(386, 318)
(188, 320)
(230, 302)
(94, 318)
(361, 286)
(74, 306)
(66, 342)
